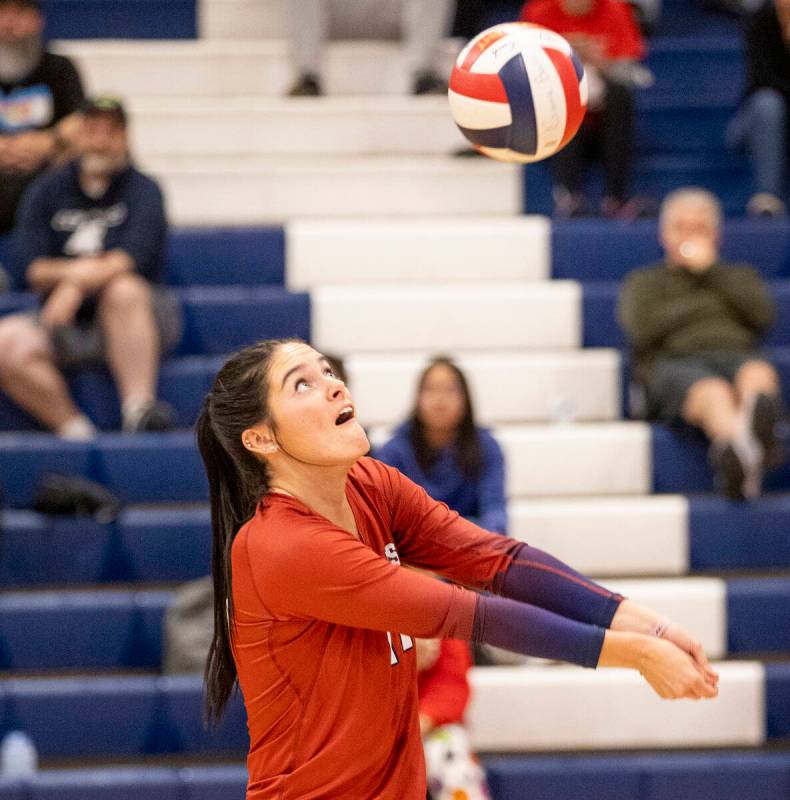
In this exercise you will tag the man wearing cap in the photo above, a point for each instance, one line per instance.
(91, 235)
(38, 91)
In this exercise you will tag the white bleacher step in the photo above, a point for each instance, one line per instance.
(251, 191)
(416, 250)
(608, 458)
(532, 708)
(294, 126)
(218, 67)
(242, 19)
(506, 387)
(506, 316)
(561, 460)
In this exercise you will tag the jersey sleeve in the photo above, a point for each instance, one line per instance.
(314, 570)
(430, 536)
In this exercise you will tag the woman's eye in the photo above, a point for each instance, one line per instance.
(301, 385)
(329, 372)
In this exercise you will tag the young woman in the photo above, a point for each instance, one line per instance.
(441, 449)
(314, 613)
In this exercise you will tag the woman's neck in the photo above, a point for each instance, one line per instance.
(438, 438)
(322, 489)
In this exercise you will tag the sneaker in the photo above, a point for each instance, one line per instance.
(765, 417)
(765, 204)
(152, 417)
(307, 85)
(428, 83)
(730, 471)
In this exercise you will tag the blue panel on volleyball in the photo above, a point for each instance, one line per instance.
(777, 700)
(24, 458)
(120, 19)
(213, 783)
(753, 608)
(68, 717)
(729, 776)
(181, 722)
(55, 630)
(165, 544)
(221, 319)
(731, 536)
(152, 468)
(40, 550)
(223, 256)
(141, 783)
(563, 778)
(524, 126)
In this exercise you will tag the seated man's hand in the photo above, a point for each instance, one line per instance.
(697, 254)
(62, 304)
(28, 152)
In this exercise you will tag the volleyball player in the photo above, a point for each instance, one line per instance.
(315, 608)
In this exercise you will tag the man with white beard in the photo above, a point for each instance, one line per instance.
(91, 235)
(38, 91)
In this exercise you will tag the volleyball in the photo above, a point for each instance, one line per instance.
(518, 92)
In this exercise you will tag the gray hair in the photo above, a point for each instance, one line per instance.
(693, 194)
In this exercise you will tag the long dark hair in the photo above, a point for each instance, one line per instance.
(237, 480)
(467, 441)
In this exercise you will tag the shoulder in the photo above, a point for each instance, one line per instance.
(143, 183)
(488, 443)
(54, 64)
(741, 271)
(645, 275)
(50, 184)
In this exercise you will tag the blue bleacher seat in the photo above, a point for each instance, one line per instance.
(150, 783)
(120, 19)
(226, 256)
(753, 607)
(777, 700)
(739, 536)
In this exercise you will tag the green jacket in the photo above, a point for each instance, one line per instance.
(673, 312)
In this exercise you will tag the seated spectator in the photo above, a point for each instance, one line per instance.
(38, 93)
(694, 324)
(424, 22)
(91, 235)
(441, 449)
(607, 40)
(761, 123)
(443, 693)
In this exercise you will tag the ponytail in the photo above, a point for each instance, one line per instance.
(237, 480)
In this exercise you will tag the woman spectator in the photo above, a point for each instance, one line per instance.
(441, 448)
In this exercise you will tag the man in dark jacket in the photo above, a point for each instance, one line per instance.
(39, 93)
(91, 236)
(694, 324)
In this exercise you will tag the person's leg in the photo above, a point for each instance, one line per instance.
(761, 127)
(308, 22)
(567, 172)
(757, 385)
(125, 315)
(617, 140)
(28, 375)
(425, 24)
(711, 405)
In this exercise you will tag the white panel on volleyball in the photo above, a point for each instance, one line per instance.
(506, 387)
(260, 126)
(250, 191)
(608, 536)
(450, 317)
(236, 66)
(570, 708)
(698, 604)
(610, 458)
(321, 252)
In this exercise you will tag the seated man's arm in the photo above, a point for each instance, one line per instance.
(745, 293)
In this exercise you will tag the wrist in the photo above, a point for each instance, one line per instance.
(629, 650)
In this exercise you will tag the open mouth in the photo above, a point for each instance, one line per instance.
(345, 415)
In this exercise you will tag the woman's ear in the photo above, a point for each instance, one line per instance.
(259, 440)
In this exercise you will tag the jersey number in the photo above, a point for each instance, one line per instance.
(406, 643)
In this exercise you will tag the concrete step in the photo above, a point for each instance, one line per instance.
(252, 191)
(506, 387)
(242, 19)
(416, 250)
(506, 316)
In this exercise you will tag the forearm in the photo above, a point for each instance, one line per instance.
(114, 263)
(633, 618)
(540, 579)
(748, 299)
(44, 274)
(626, 650)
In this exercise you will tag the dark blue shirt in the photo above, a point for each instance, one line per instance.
(58, 220)
(482, 499)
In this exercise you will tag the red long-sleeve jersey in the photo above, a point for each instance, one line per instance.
(322, 634)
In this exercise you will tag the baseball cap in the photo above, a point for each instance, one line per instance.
(104, 104)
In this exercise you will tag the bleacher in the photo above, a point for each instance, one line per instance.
(346, 221)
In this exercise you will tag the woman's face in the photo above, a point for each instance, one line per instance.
(312, 411)
(441, 404)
